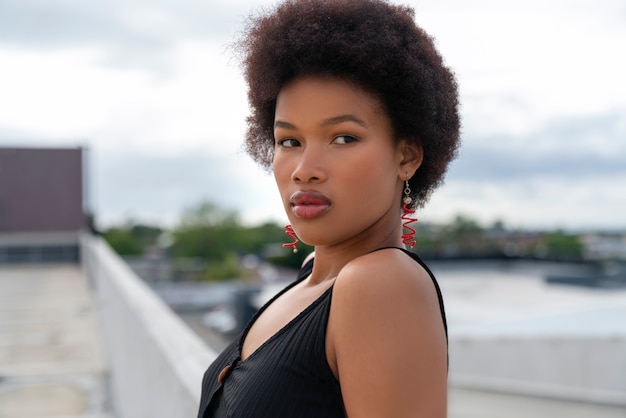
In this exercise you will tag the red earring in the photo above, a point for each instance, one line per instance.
(291, 234)
(408, 238)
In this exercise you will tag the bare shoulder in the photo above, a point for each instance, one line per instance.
(387, 287)
(386, 273)
(385, 321)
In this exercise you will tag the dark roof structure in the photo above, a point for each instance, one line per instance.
(42, 210)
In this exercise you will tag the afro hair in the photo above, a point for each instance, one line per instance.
(372, 43)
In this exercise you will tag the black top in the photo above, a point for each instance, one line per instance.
(287, 376)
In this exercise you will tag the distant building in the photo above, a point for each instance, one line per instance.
(604, 246)
(42, 210)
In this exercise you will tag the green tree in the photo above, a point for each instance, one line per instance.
(207, 231)
(216, 234)
(463, 227)
(559, 244)
(268, 239)
(464, 236)
(146, 235)
(228, 268)
(123, 241)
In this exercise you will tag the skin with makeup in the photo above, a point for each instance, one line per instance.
(341, 176)
(342, 157)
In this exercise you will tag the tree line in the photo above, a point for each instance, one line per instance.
(212, 235)
(218, 239)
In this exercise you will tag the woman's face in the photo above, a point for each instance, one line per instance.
(336, 165)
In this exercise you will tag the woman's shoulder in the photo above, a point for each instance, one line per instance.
(385, 321)
(386, 286)
(385, 272)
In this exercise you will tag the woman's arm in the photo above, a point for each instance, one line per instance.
(386, 340)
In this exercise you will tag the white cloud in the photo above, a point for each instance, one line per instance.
(65, 95)
(155, 82)
(521, 64)
(56, 94)
(548, 202)
(201, 107)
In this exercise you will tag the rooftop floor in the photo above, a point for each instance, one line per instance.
(467, 403)
(51, 362)
(519, 303)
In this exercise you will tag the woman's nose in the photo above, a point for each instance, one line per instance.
(310, 166)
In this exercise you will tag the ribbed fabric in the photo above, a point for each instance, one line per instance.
(287, 376)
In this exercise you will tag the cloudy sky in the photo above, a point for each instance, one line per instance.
(153, 92)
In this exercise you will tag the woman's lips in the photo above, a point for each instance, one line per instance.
(309, 204)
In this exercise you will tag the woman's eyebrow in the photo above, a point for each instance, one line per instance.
(281, 124)
(344, 118)
(327, 122)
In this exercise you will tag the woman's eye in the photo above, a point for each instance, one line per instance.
(288, 143)
(344, 139)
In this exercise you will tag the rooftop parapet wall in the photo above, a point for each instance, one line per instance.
(563, 352)
(589, 370)
(156, 361)
(512, 331)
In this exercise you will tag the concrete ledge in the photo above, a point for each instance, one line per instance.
(580, 369)
(39, 238)
(156, 361)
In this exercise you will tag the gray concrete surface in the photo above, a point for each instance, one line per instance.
(469, 403)
(490, 310)
(156, 361)
(51, 362)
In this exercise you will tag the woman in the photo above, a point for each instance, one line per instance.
(355, 112)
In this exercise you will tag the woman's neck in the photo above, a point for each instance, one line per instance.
(330, 260)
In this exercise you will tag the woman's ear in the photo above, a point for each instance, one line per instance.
(410, 157)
